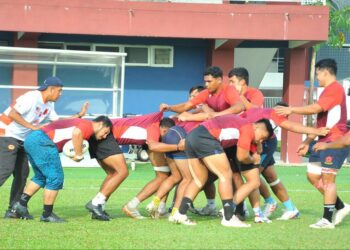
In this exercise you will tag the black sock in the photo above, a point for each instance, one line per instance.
(339, 204)
(328, 210)
(24, 199)
(229, 207)
(47, 210)
(240, 208)
(186, 203)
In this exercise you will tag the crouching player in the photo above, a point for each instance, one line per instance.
(205, 150)
(43, 147)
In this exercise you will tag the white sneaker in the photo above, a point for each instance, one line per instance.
(233, 222)
(290, 214)
(322, 224)
(341, 214)
(207, 211)
(171, 218)
(182, 219)
(132, 212)
(261, 219)
(269, 209)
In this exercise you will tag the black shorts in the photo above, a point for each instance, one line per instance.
(103, 148)
(200, 143)
(269, 148)
(236, 166)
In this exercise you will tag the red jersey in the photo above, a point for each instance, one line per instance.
(256, 114)
(255, 97)
(333, 103)
(61, 131)
(226, 97)
(232, 130)
(137, 130)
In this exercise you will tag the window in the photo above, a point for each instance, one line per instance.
(84, 47)
(137, 55)
(162, 56)
(107, 48)
(48, 45)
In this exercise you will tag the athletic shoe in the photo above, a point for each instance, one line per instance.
(21, 211)
(97, 212)
(207, 211)
(341, 214)
(269, 209)
(132, 212)
(52, 218)
(171, 218)
(261, 219)
(9, 214)
(233, 222)
(290, 214)
(192, 210)
(182, 219)
(322, 224)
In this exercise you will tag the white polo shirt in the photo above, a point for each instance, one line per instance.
(33, 110)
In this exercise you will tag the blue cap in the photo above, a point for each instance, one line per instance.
(51, 81)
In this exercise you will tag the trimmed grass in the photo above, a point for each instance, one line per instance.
(81, 184)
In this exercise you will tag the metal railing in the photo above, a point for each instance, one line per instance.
(270, 102)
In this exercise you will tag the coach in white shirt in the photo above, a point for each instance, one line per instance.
(27, 113)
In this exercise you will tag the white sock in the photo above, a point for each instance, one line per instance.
(211, 203)
(99, 199)
(162, 207)
(133, 203)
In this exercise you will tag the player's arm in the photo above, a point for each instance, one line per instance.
(187, 116)
(245, 157)
(17, 117)
(77, 139)
(234, 109)
(340, 143)
(162, 147)
(301, 129)
(304, 110)
(178, 108)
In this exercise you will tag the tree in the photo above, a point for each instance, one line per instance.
(339, 25)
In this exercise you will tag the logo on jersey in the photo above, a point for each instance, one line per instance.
(329, 160)
(11, 147)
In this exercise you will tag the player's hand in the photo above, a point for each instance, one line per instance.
(302, 149)
(256, 158)
(323, 131)
(281, 110)
(77, 158)
(181, 145)
(320, 146)
(84, 109)
(164, 107)
(37, 127)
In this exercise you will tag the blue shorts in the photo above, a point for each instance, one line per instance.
(45, 160)
(174, 136)
(269, 148)
(329, 158)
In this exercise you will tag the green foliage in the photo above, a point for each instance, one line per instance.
(339, 24)
(80, 232)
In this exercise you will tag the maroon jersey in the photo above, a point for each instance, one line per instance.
(61, 131)
(137, 130)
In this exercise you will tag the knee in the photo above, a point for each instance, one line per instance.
(55, 183)
(255, 183)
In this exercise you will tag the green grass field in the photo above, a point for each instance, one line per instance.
(81, 184)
